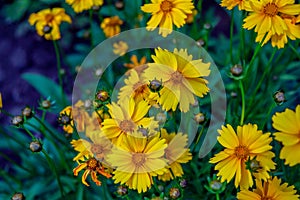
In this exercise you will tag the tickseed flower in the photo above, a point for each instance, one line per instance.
(126, 118)
(181, 78)
(120, 48)
(288, 125)
(137, 160)
(66, 120)
(47, 22)
(191, 16)
(165, 13)
(271, 189)
(111, 26)
(176, 153)
(81, 5)
(267, 19)
(247, 144)
(230, 4)
(98, 147)
(138, 66)
(1, 105)
(93, 167)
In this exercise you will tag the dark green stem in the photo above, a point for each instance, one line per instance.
(217, 196)
(231, 36)
(268, 114)
(294, 50)
(59, 74)
(243, 102)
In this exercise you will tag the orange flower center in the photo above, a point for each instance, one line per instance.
(127, 126)
(271, 9)
(138, 159)
(92, 164)
(242, 152)
(166, 6)
(49, 18)
(266, 198)
(176, 77)
(139, 88)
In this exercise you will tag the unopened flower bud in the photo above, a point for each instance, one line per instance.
(174, 193)
(102, 95)
(119, 4)
(207, 26)
(215, 185)
(200, 42)
(254, 165)
(199, 118)
(236, 70)
(279, 97)
(35, 146)
(17, 120)
(46, 104)
(155, 85)
(122, 190)
(18, 196)
(27, 112)
(183, 183)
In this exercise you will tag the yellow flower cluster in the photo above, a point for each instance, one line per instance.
(81, 5)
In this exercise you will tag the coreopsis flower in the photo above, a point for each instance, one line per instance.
(138, 66)
(288, 125)
(1, 105)
(81, 5)
(47, 22)
(176, 153)
(93, 167)
(111, 26)
(137, 160)
(126, 118)
(191, 16)
(120, 48)
(266, 18)
(270, 189)
(181, 78)
(230, 4)
(66, 120)
(165, 13)
(247, 144)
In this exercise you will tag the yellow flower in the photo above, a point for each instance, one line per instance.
(230, 4)
(120, 48)
(111, 26)
(81, 5)
(176, 153)
(271, 189)
(190, 17)
(165, 13)
(98, 147)
(288, 125)
(137, 160)
(138, 66)
(47, 22)
(65, 118)
(181, 78)
(93, 167)
(1, 101)
(248, 144)
(126, 118)
(266, 18)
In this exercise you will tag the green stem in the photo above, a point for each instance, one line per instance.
(29, 133)
(268, 114)
(231, 36)
(199, 7)
(256, 51)
(294, 50)
(243, 102)
(43, 120)
(243, 57)
(217, 196)
(52, 166)
(59, 74)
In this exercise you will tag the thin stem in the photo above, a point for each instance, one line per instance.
(243, 57)
(243, 102)
(29, 133)
(217, 196)
(231, 36)
(294, 50)
(43, 119)
(52, 166)
(268, 114)
(256, 51)
(59, 74)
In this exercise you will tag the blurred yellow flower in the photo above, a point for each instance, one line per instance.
(137, 160)
(120, 48)
(230, 4)
(1, 105)
(111, 26)
(271, 189)
(176, 153)
(81, 5)
(165, 13)
(181, 78)
(138, 66)
(288, 125)
(247, 144)
(93, 167)
(47, 22)
(266, 18)
(65, 118)
(191, 16)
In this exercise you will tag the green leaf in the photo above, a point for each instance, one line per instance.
(46, 87)
(15, 11)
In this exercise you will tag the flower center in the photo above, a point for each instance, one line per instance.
(176, 77)
(92, 164)
(127, 126)
(139, 88)
(166, 6)
(242, 152)
(138, 159)
(49, 18)
(271, 9)
(266, 198)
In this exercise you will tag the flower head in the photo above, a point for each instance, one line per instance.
(230, 4)
(288, 125)
(47, 22)
(165, 13)
(269, 189)
(137, 160)
(181, 78)
(120, 48)
(111, 26)
(66, 120)
(81, 5)
(138, 66)
(247, 144)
